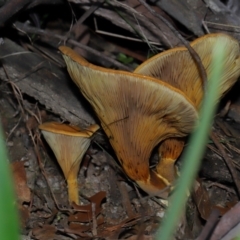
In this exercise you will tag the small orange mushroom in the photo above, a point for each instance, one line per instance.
(176, 67)
(69, 144)
(136, 112)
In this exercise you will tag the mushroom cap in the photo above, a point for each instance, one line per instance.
(69, 144)
(136, 112)
(68, 130)
(177, 67)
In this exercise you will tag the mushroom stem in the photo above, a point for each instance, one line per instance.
(166, 168)
(72, 188)
(169, 151)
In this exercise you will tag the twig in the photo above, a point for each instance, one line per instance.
(210, 225)
(20, 26)
(192, 52)
(94, 219)
(228, 221)
(16, 90)
(92, 9)
(219, 185)
(14, 128)
(227, 161)
(237, 150)
(224, 25)
(205, 26)
(141, 16)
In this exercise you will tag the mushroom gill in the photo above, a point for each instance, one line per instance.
(69, 144)
(177, 68)
(136, 112)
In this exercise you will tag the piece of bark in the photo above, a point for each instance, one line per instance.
(45, 82)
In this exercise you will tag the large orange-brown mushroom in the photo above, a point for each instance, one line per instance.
(69, 144)
(177, 68)
(136, 113)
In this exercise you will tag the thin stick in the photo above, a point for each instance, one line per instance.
(94, 219)
(227, 161)
(91, 10)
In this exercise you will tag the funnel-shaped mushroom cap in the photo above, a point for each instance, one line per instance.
(177, 67)
(136, 112)
(69, 144)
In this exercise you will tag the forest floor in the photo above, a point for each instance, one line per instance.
(35, 87)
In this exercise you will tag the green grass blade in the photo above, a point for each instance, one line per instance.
(192, 157)
(9, 229)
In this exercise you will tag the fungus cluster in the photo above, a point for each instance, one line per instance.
(136, 112)
(69, 144)
(158, 103)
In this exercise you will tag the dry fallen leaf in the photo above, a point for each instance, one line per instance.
(20, 181)
(84, 213)
(22, 191)
(44, 232)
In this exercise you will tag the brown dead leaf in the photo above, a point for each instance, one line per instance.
(22, 191)
(80, 229)
(32, 122)
(20, 181)
(44, 232)
(84, 213)
(24, 215)
(201, 198)
(228, 206)
(203, 202)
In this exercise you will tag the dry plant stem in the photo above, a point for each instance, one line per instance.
(193, 53)
(25, 28)
(211, 223)
(230, 146)
(228, 162)
(94, 219)
(225, 110)
(205, 26)
(14, 128)
(228, 221)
